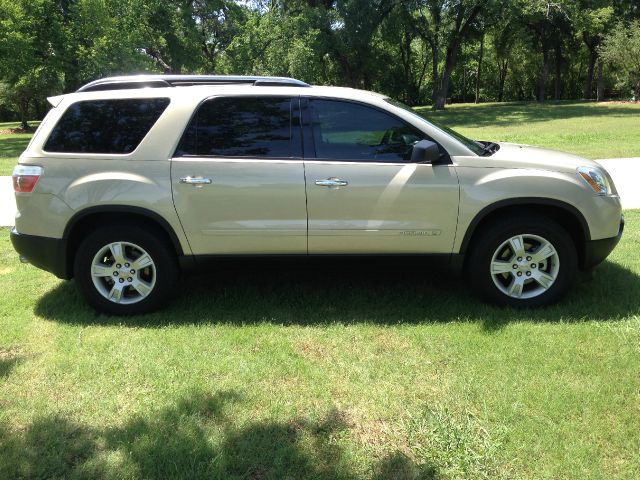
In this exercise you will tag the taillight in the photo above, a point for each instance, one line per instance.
(25, 178)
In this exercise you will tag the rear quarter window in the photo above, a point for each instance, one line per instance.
(253, 127)
(105, 126)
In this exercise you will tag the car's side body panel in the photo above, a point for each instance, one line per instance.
(70, 186)
(385, 208)
(250, 206)
(482, 186)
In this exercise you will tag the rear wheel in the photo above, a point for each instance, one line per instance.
(527, 261)
(125, 270)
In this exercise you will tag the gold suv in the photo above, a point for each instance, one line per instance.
(131, 180)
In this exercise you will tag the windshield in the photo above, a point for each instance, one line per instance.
(475, 147)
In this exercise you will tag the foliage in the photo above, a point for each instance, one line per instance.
(421, 51)
(621, 49)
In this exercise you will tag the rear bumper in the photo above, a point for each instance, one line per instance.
(595, 251)
(49, 254)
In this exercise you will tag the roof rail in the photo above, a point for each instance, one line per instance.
(159, 81)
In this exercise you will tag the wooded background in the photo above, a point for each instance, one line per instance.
(419, 51)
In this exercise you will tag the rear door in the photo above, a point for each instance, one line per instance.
(238, 177)
(363, 193)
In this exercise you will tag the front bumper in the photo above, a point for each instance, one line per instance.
(49, 254)
(595, 251)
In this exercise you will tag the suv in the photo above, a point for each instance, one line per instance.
(131, 180)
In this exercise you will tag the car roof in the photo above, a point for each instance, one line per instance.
(160, 81)
(205, 91)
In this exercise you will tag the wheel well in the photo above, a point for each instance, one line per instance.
(91, 221)
(574, 225)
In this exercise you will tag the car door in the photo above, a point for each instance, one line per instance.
(363, 193)
(238, 177)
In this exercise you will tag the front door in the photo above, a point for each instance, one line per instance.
(238, 177)
(363, 193)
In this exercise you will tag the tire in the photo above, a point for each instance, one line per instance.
(524, 262)
(125, 270)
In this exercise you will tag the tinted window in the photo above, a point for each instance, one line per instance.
(350, 131)
(105, 126)
(240, 127)
(472, 145)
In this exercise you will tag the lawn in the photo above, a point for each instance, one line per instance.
(274, 373)
(376, 373)
(12, 145)
(592, 130)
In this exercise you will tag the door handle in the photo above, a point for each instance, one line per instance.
(195, 180)
(332, 182)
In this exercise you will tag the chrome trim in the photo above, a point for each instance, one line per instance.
(195, 180)
(332, 182)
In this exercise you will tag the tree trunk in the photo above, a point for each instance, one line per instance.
(450, 61)
(458, 34)
(503, 69)
(24, 114)
(441, 97)
(542, 89)
(588, 86)
(479, 70)
(600, 88)
(434, 71)
(557, 94)
(405, 54)
(464, 85)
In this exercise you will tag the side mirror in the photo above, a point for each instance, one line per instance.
(425, 151)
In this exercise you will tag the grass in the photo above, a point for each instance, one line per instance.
(12, 145)
(297, 373)
(592, 130)
(272, 373)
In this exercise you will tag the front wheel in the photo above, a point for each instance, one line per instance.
(125, 270)
(523, 262)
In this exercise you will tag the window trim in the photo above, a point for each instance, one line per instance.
(309, 140)
(99, 155)
(294, 108)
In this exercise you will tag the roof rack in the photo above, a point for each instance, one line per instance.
(160, 81)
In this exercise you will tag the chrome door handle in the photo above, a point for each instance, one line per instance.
(195, 180)
(332, 182)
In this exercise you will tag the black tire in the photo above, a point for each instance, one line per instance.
(164, 269)
(487, 242)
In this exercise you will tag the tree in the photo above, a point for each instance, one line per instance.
(405, 58)
(548, 23)
(30, 52)
(349, 35)
(445, 25)
(274, 42)
(621, 50)
(503, 42)
(593, 19)
(103, 37)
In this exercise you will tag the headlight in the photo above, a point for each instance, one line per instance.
(596, 180)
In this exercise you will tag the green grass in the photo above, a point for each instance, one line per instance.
(12, 145)
(273, 373)
(592, 130)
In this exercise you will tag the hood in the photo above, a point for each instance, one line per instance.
(512, 155)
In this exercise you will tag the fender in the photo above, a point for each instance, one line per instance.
(125, 209)
(548, 202)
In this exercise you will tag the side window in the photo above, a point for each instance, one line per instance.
(240, 127)
(350, 131)
(105, 126)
